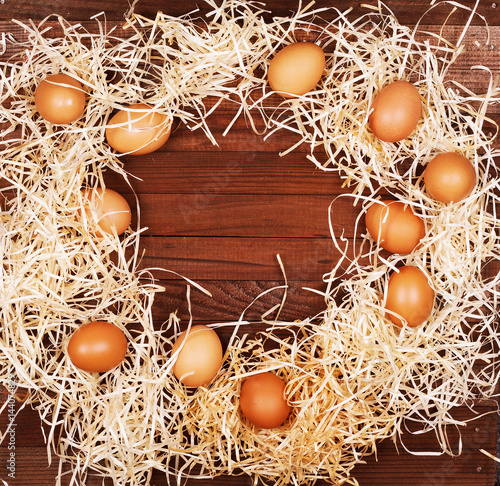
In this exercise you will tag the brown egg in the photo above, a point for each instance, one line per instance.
(200, 358)
(396, 111)
(410, 296)
(108, 209)
(296, 69)
(60, 99)
(262, 400)
(143, 130)
(450, 177)
(97, 347)
(394, 226)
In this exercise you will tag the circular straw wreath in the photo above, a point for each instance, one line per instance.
(352, 377)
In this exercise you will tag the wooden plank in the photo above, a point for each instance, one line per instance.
(241, 138)
(208, 173)
(479, 43)
(231, 298)
(471, 467)
(391, 467)
(249, 258)
(74, 10)
(243, 215)
(202, 258)
(174, 163)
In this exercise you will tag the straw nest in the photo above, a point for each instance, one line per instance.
(352, 377)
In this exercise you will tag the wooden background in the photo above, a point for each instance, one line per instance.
(220, 214)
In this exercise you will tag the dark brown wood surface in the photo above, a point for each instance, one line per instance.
(406, 12)
(220, 215)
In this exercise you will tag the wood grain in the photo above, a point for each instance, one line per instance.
(219, 214)
(391, 467)
(408, 13)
